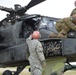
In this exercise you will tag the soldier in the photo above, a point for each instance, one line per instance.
(64, 25)
(36, 57)
(74, 10)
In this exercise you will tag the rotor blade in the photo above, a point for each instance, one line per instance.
(33, 3)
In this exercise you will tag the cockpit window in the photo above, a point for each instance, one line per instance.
(50, 25)
(54, 23)
(47, 24)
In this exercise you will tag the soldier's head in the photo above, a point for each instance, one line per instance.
(36, 35)
(75, 3)
(73, 18)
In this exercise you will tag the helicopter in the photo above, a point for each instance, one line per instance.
(16, 28)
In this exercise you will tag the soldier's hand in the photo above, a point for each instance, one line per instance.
(30, 35)
(44, 64)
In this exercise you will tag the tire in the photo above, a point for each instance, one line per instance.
(7, 72)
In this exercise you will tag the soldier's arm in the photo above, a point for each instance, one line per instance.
(62, 33)
(69, 23)
(40, 53)
(73, 12)
(72, 26)
(29, 38)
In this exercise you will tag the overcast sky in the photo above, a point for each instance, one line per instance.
(52, 8)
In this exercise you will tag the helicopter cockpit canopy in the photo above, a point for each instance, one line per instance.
(48, 24)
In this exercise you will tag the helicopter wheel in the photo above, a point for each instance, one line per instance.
(15, 73)
(7, 72)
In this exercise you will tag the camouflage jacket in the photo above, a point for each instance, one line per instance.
(36, 52)
(73, 12)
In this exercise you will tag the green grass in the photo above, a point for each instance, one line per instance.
(70, 72)
(27, 67)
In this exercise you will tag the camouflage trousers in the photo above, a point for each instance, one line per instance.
(36, 70)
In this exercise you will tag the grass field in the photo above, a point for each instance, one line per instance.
(70, 72)
(26, 72)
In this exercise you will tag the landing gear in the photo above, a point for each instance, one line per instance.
(19, 69)
(7, 72)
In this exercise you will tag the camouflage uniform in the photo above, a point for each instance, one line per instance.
(73, 12)
(63, 26)
(36, 57)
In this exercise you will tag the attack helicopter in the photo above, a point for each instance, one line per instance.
(15, 29)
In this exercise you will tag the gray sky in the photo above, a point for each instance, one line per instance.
(52, 8)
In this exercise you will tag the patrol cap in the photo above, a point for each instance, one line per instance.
(36, 35)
